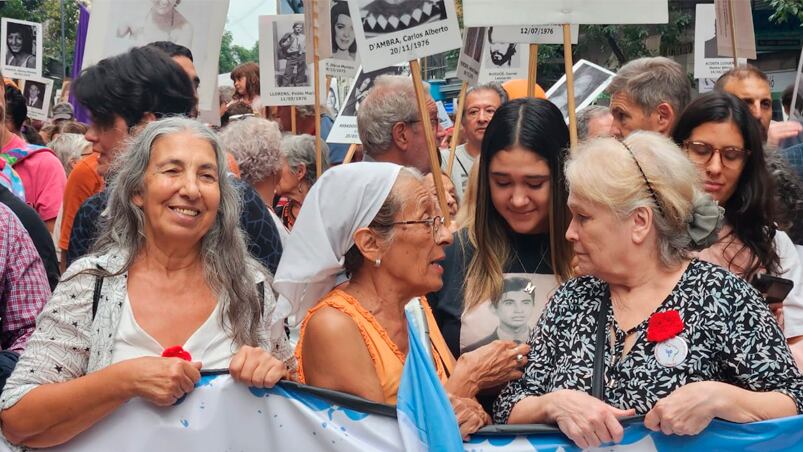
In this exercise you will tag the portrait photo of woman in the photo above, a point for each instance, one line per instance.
(162, 22)
(344, 44)
(20, 45)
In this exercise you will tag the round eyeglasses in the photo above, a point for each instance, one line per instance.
(701, 153)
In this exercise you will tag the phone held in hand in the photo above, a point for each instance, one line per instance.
(773, 288)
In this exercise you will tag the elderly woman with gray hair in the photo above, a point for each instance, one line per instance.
(255, 144)
(298, 173)
(649, 330)
(169, 290)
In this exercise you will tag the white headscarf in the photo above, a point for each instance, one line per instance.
(344, 199)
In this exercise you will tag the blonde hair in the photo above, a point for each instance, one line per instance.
(604, 171)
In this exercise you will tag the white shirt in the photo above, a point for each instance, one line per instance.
(209, 344)
(461, 169)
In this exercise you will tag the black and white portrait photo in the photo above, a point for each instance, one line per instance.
(37, 93)
(389, 16)
(473, 44)
(502, 54)
(290, 57)
(291, 6)
(34, 94)
(344, 41)
(589, 81)
(115, 26)
(22, 48)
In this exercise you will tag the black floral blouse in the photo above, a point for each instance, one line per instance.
(731, 335)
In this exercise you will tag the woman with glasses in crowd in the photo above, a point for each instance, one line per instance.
(378, 225)
(723, 140)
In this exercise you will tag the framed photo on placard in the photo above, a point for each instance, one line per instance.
(470, 58)
(589, 81)
(21, 52)
(337, 40)
(344, 130)
(115, 26)
(37, 93)
(396, 31)
(707, 62)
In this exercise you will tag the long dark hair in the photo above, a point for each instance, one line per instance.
(536, 125)
(751, 209)
(338, 9)
(27, 36)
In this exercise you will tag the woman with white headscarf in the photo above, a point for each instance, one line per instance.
(379, 224)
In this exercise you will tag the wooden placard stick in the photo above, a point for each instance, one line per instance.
(733, 32)
(533, 70)
(418, 85)
(317, 81)
(458, 119)
(568, 64)
(293, 127)
(350, 154)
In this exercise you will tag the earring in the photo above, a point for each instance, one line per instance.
(377, 262)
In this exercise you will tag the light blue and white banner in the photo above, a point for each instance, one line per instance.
(222, 415)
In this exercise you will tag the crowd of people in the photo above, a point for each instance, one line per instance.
(574, 285)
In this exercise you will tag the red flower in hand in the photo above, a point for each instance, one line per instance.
(663, 326)
(177, 352)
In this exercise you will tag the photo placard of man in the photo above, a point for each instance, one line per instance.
(292, 46)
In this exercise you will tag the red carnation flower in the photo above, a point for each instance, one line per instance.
(177, 352)
(663, 326)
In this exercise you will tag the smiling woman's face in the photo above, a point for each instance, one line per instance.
(344, 32)
(14, 41)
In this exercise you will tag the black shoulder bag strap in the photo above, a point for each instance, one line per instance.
(598, 377)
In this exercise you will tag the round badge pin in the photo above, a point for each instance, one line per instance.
(671, 352)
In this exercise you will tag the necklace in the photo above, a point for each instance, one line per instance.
(537, 266)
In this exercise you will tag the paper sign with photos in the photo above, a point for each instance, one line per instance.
(707, 62)
(395, 31)
(37, 93)
(590, 81)
(503, 60)
(344, 130)
(285, 76)
(534, 34)
(21, 49)
(337, 42)
(479, 13)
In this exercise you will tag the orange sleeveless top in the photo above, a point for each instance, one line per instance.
(387, 359)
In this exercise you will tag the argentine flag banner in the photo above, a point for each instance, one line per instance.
(223, 415)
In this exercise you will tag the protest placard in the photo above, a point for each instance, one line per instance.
(21, 54)
(478, 13)
(37, 93)
(392, 33)
(707, 63)
(734, 22)
(589, 81)
(534, 34)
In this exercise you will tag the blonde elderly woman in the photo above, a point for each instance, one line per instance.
(648, 331)
(254, 143)
(170, 276)
(379, 223)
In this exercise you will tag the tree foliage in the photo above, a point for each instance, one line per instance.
(232, 55)
(786, 9)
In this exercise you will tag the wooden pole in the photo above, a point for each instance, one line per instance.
(415, 69)
(350, 154)
(568, 64)
(293, 127)
(317, 80)
(533, 70)
(733, 32)
(458, 119)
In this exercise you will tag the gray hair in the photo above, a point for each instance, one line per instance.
(391, 100)
(255, 144)
(228, 268)
(69, 147)
(301, 149)
(585, 116)
(650, 81)
(604, 172)
(490, 86)
(382, 223)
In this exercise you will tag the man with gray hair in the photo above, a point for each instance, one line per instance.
(594, 121)
(648, 94)
(390, 125)
(481, 103)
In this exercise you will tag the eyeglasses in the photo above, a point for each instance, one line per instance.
(433, 122)
(700, 153)
(435, 223)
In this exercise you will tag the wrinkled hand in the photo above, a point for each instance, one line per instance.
(494, 364)
(587, 420)
(256, 367)
(687, 411)
(781, 130)
(162, 381)
(470, 415)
